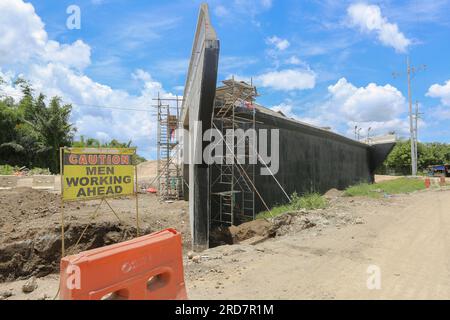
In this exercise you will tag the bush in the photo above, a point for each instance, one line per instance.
(39, 171)
(376, 190)
(309, 201)
(7, 169)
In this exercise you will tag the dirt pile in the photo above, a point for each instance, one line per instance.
(147, 172)
(339, 213)
(333, 193)
(30, 235)
(269, 228)
(39, 254)
(24, 204)
(247, 230)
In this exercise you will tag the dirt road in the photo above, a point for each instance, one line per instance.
(406, 237)
(408, 241)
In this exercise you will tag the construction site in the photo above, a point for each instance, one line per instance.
(241, 235)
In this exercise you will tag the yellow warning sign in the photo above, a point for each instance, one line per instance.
(92, 173)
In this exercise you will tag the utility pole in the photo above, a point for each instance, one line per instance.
(411, 128)
(410, 72)
(415, 134)
(416, 131)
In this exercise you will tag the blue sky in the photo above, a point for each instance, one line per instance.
(329, 63)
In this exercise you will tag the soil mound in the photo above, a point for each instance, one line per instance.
(30, 222)
(39, 254)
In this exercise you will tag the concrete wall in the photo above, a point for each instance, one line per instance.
(379, 153)
(7, 182)
(311, 160)
(43, 182)
(197, 107)
(36, 182)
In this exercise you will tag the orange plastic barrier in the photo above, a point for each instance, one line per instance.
(145, 268)
(427, 183)
(152, 190)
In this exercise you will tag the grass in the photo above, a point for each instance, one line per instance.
(6, 169)
(40, 171)
(9, 170)
(310, 201)
(377, 190)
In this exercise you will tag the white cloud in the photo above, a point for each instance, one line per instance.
(221, 11)
(90, 99)
(280, 44)
(77, 54)
(57, 68)
(288, 79)
(140, 74)
(440, 114)
(369, 19)
(7, 87)
(173, 67)
(286, 109)
(20, 42)
(440, 91)
(370, 103)
(379, 107)
(241, 11)
(294, 60)
(22, 32)
(238, 77)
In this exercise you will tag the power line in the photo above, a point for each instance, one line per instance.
(86, 105)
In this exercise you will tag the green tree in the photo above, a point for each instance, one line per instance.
(9, 120)
(53, 127)
(116, 144)
(87, 143)
(428, 154)
(31, 132)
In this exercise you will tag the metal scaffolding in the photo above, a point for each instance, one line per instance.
(232, 196)
(170, 181)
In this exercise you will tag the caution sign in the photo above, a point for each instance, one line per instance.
(89, 173)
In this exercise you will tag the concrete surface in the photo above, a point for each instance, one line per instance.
(7, 182)
(43, 182)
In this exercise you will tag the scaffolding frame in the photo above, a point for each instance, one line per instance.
(169, 174)
(232, 195)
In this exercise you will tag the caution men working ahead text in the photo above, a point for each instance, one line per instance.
(97, 173)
